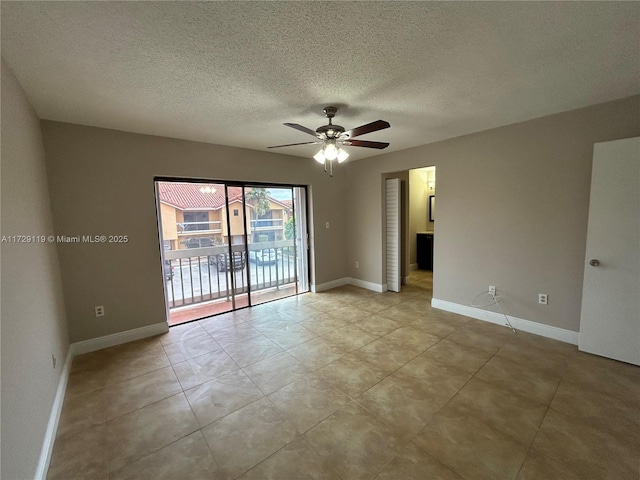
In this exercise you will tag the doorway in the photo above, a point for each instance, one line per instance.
(417, 224)
(421, 205)
(229, 245)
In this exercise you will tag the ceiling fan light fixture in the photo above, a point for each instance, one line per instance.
(319, 157)
(330, 150)
(342, 155)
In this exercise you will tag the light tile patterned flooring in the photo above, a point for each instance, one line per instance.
(348, 384)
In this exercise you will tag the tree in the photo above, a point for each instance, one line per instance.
(288, 228)
(258, 199)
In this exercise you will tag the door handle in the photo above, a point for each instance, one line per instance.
(594, 263)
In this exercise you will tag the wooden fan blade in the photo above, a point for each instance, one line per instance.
(368, 128)
(293, 144)
(302, 129)
(365, 143)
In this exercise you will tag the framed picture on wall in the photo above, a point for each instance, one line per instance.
(432, 207)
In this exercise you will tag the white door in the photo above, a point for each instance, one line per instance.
(610, 319)
(392, 201)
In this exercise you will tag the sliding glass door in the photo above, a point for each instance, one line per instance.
(230, 245)
(277, 245)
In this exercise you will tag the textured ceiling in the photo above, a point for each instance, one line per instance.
(232, 72)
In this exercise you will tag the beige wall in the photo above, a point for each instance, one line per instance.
(33, 319)
(169, 222)
(236, 224)
(87, 165)
(512, 209)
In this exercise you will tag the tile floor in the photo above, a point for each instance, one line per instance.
(348, 384)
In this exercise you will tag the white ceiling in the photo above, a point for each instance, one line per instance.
(231, 73)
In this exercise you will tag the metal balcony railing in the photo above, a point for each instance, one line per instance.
(198, 275)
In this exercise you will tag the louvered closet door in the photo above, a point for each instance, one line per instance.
(392, 202)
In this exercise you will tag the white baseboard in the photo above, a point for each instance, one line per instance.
(119, 338)
(54, 418)
(321, 287)
(413, 266)
(567, 336)
(376, 287)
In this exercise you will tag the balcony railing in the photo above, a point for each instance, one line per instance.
(215, 226)
(189, 228)
(200, 275)
(266, 224)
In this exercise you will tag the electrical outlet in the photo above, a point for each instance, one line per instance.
(100, 311)
(54, 361)
(543, 299)
(357, 264)
(492, 289)
(327, 225)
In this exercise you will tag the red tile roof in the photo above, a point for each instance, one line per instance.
(186, 196)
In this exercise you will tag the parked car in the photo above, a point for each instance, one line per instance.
(198, 242)
(266, 255)
(222, 263)
(168, 270)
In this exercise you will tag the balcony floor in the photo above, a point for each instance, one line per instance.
(203, 310)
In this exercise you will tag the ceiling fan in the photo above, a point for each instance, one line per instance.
(333, 137)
